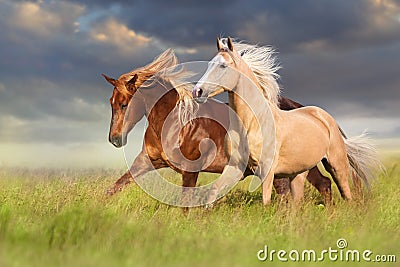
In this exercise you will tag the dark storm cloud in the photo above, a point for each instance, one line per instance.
(338, 24)
(57, 73)
(286, 24)
(51, 90)
(367, 81)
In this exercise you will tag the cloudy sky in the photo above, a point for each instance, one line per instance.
(341, 55)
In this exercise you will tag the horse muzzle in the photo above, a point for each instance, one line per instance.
(198, 95)
(118, 141)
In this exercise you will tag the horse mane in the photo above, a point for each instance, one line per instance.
(165, 69)
(165, 60)
(263, 62)
(177, 76)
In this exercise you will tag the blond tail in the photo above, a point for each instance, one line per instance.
(363, 158)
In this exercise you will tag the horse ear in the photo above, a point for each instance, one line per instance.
(133, 80)
(219, 44)
(230, 44)
(109, 79)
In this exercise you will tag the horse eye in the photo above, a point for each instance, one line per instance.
(123, 106)
(223, 66)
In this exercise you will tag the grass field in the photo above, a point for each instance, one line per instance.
(62, 218)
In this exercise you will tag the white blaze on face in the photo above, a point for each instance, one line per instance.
(210, 77)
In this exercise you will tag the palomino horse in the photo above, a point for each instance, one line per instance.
(303, 137)
(156, 102)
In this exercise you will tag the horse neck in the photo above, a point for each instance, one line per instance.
(160, 101)
(247, 78)
(248, 100)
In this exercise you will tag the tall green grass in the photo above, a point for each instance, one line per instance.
(63, 218)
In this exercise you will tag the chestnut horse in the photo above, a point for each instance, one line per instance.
(156, 102)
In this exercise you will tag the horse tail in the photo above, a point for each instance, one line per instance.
(363, 158)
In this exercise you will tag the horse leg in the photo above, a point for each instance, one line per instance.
(282, 186)
(339, 172)
(322, 183)
(267, 184)
(268, 179)
(125, 179)
(230, 176)
(141, 165)
(189, 180)
(297, 186)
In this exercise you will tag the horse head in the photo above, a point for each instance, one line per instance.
(127, 107)
(222, 73)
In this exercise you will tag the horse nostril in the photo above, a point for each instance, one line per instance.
(197, 92)
(116, 141)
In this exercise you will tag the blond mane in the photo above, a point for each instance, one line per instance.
(164, 61)
(262, 61)
(165, 69)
